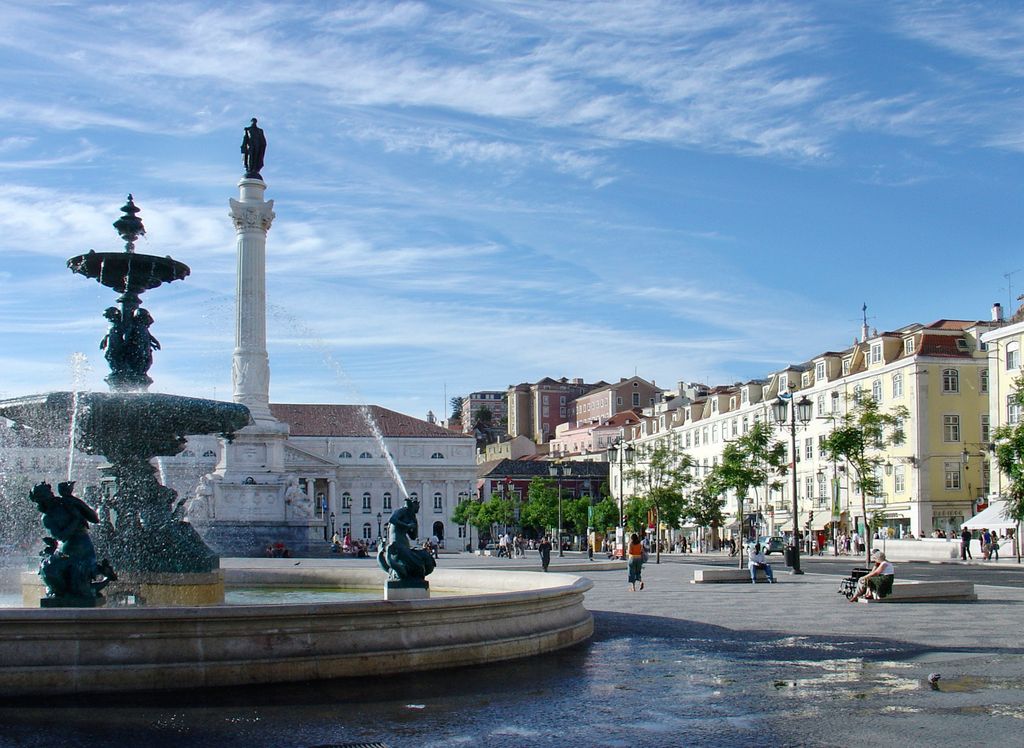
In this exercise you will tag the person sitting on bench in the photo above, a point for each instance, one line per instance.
(877, 583)
(758, 561)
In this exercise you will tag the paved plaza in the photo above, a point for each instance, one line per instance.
(677, 664)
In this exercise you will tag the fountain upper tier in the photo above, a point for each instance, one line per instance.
(106, 423)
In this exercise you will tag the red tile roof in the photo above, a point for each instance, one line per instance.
(348, 420)
(952, 324)
(940, 345)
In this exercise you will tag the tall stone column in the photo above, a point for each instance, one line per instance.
(250, 365)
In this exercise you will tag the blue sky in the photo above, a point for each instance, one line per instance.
(474, 194)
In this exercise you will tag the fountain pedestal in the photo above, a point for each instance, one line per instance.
(403, 589)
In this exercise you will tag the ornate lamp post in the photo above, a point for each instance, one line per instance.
(379, 518)
(332, 525)
(624, 452)
(784, 409)
(557, 470)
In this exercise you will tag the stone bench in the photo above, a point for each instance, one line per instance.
(926, 592)
(720, 575)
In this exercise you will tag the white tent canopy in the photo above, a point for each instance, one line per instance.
(991, 517)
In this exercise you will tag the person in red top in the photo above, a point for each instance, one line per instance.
(636, 554)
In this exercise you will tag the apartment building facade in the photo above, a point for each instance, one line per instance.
(934, 480)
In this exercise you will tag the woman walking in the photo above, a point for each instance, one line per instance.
(636, 555)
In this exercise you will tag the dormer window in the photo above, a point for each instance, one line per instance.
(961, 344)
(783, 384)
(846, 366)
(819, 371)
(805, 379)
(908, 345)
(876, 353)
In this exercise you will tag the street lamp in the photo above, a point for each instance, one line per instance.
(557, 470)
(379, 518)
(624, 452)
(332, 525)
(784, 409)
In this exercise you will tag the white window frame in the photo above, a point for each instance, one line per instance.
(951, 428)
(951, 381)
(953, 476)
(897, 385)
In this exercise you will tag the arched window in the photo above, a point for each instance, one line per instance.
(897, 385)
(876, 390)
(346, 500)
(209, 453)
(345, 530)
(387, 500)
(365, 456)
(366, 501)
(367, 531)
(438, 501)
(345, 455)
(437, 456)
(950, 380)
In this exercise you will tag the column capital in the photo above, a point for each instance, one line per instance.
(252, 216)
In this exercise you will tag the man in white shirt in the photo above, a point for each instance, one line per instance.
(759, 561)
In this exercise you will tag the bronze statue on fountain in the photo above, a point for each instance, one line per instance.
(139, 526)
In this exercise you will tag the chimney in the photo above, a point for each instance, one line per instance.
(997, 312)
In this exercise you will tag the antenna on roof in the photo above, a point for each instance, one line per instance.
(1009, 286)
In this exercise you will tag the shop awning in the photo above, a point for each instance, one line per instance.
(991, 517)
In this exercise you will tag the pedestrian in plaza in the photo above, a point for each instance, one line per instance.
(986, 544)
(994, 550)
(637, 555)
(545, 552)
(965, 545)
(877, 583)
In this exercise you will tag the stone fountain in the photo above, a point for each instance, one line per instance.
(177, 639)
(159, 558)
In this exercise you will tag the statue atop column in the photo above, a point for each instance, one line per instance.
(254, 148)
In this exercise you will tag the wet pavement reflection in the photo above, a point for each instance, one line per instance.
(642, 680)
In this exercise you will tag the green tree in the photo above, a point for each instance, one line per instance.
(749, 462)
(496, 511)
(605, 516)
(659, 486)
(860, 437)
(540, 511)
(483, 415)
(456, 405)
(704, 506)
(467, 513)
(575, 513)
(1009, 454)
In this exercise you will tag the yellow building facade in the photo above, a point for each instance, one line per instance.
(933, 481)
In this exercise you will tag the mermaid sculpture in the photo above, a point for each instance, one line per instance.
(396, 556)
(69, 569)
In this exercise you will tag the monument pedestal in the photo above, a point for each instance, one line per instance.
(399, 589)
